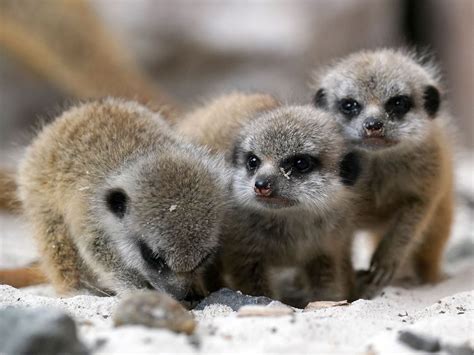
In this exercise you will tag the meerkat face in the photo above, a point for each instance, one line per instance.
(289, 158)
(164, 214)
(382, 99)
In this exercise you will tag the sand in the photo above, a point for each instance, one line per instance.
(444, 311)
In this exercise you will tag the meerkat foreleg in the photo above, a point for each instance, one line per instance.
(401, 236)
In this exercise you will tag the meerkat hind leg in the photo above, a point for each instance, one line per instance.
(428, 256)
(60, 260)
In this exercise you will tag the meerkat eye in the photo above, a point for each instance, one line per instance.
(117, 200)
(252, 162)
(302, 163)
(349, 107)
(399, 105)
(151, 258)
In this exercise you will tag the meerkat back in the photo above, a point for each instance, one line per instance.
(216, 124)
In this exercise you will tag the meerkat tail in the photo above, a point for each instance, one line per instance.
(8, 198)
(23, 277)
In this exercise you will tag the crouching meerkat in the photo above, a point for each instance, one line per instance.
(289, 171)
(390, 107)
(118, 202)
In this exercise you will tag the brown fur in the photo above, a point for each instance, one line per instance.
(8, 198)
(406, 192)
(87, 153)
(217, 123)
(22, 277)
(256, 244)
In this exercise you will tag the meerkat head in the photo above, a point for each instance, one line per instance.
(382, 98)
(291, 158)
(164, 213)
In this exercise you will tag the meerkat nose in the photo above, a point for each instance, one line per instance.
(373, 127)
(262, 188)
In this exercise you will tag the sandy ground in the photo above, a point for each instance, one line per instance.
(444, 311)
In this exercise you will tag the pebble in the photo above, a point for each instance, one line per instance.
(276, 309)
(38, 331)
(314, 306)
(155, 310)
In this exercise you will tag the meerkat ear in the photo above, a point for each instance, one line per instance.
(116, 200)
(320, 99)
(432, 100)
(350, 169)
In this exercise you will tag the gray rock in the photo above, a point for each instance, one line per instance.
(232, 299)
(419, 342)
(38, 331)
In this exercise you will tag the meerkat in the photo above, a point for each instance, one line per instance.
(389, 104)
(118, 201)
(289, 171)
(217, 123)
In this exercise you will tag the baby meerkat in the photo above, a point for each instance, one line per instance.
(118, 202)
(390, 107)
(292, 208)
(217, 123)
(290, 202)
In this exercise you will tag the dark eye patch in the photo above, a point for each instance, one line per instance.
(301, 163)
(117, 201)
(320, 99)
(399, 105)
(349, 107)
(432, 100)
(155, 261)
(350, 169)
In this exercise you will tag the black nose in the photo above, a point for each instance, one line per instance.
(262, 184)
(373, 124)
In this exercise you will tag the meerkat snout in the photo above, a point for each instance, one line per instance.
(373, 127)
(263, 187)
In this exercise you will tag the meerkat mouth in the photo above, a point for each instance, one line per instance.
(376, 142)
(275, 201)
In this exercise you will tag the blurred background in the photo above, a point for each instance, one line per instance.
(182, 52)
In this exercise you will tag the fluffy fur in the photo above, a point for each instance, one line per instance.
(118, 202)
(391, 107)
(293, 245)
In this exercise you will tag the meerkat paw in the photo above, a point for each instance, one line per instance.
(382, 269)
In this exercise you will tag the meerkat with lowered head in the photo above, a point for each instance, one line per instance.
(118, 202)
(390, 107)
(289, 171)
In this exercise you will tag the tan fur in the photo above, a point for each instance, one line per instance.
(8, 198)
(406, 191)
(93, 149)
(313, 252)
(22, 277)
(217, 123)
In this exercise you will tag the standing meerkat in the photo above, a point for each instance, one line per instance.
(390, 107)
(118, 202)
(289, 168)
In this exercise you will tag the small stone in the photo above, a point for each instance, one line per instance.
(265, 311)
(155, 310)
(38, 331)
(419, 342)
(314, 306)
(232, 299)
